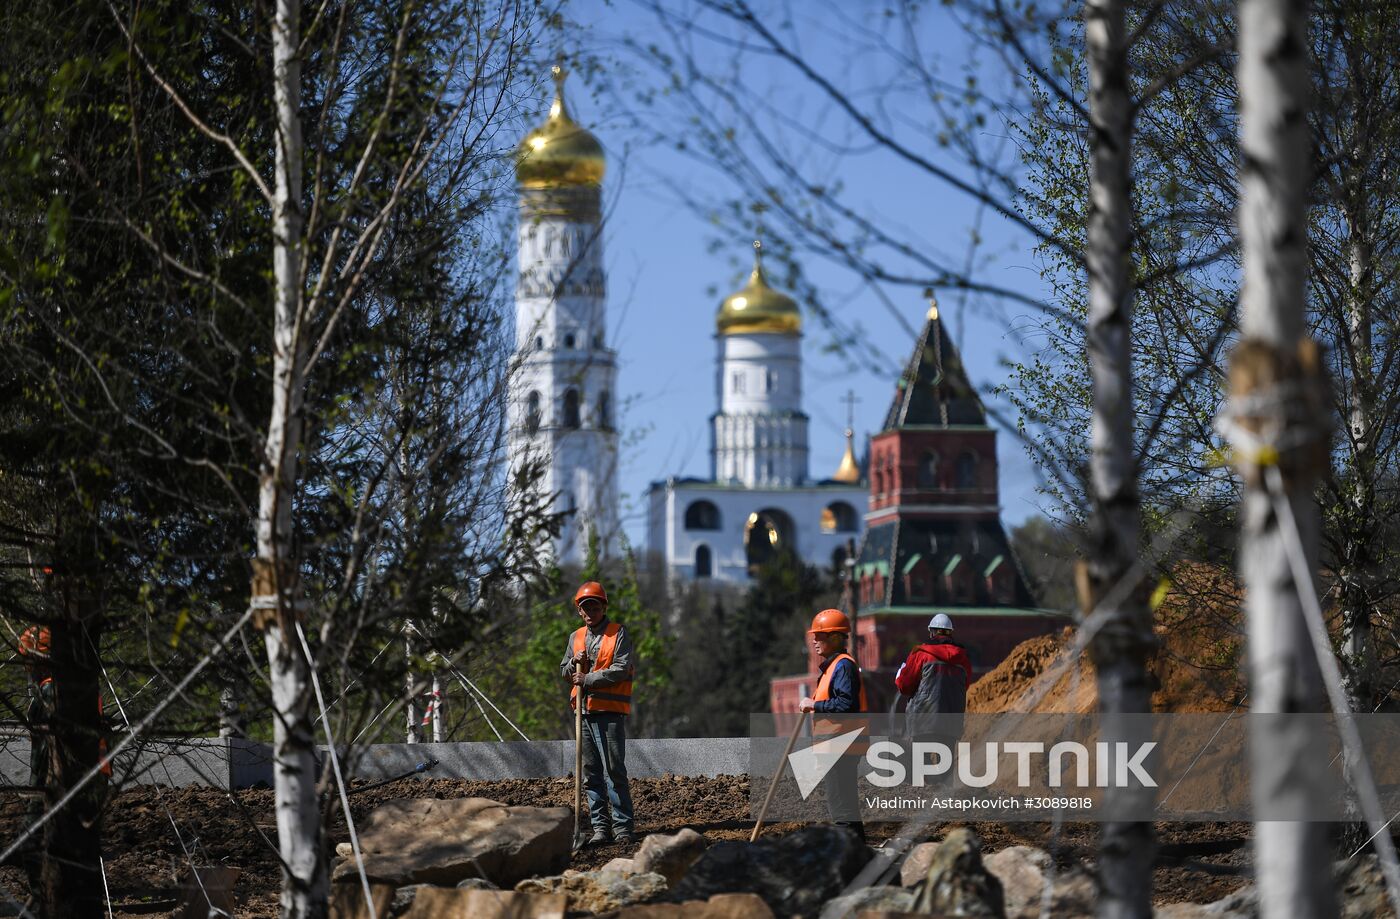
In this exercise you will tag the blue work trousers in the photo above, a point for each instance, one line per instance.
(605, 771)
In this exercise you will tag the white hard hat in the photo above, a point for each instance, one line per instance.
(941, 621)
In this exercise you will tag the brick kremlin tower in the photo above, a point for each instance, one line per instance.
(934, 541)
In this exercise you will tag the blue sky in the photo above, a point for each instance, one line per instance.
(665, 283)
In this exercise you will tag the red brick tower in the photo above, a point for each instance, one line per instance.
(934, 542)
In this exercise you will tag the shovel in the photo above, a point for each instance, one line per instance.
(777, 775)
(578, 762)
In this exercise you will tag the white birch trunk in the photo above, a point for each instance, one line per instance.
(1358, 644)
(1120, 647)
(437, 709)
(1292, 859)
(305, 886)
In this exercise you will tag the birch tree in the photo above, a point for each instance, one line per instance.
(1109, 585)
(1277, 411)
(402, 122)
(305, 887)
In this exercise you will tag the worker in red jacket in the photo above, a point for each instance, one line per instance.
(935, 678)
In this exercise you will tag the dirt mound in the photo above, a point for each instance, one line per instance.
(1196, 668)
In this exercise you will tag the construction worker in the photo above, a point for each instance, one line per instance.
(605, 651)
(840, 691)
(935, 678)
(34, 648)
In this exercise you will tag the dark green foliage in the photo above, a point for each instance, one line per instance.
(530, 687)
(135, 350)
(726, 655)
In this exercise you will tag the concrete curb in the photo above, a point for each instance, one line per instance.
(227, 763)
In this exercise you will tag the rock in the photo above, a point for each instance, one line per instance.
(451, 903)
(886, 862)
(430, 841)
(1022, 871)
(1361, 888)
(794, 874)
(720, 906)
(621, 865)
(404, 898)
(344, 850)
(207, 891)
(1242, 904)
(887, 899)
(598, 891)
(670, 856)
(915, 867)
(348, 900)
(957, 883)
(476, 884)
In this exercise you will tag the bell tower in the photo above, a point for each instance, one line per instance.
(759, 433)
(562, 399)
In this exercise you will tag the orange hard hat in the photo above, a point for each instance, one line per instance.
(830, 620)
(591, 589)
(34, 642)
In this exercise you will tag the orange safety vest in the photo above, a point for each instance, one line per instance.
(101, 741)
(822, 725)
(616, 698)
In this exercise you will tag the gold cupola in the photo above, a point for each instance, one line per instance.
(849, 470)
(559, 153)
(758, 307)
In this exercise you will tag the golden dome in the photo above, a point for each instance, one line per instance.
(559, 153)
(758, 307)
(849, 470)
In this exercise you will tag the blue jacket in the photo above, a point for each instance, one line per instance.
(844, 689)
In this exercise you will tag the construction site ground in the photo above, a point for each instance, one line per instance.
(152, 834)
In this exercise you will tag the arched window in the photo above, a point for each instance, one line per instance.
(928, 470)
(770, 380)
(604, 410)
(571, 419)
(702, 515)
(766, 533)
(703, 565)
(532, 412)
(597, 339)
(569, 340)
(967, 470)
(838, 517)
(539, 342)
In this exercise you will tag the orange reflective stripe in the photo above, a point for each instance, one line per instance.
(615, 698)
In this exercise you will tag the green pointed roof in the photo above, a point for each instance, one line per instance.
(934, 390)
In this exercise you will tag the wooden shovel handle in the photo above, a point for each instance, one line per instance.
(777, 774)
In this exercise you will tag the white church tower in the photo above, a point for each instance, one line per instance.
(760, 498)
(562, 401)
(759, 438)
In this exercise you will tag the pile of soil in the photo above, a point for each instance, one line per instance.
(149, 830)
(1196, 667)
